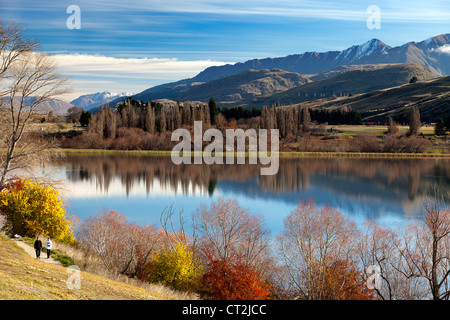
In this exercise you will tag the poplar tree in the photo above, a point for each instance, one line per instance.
(414, 121)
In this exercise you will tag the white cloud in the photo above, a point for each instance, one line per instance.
(93, 73)
(350, 10)
(444, 49)
(83, 63)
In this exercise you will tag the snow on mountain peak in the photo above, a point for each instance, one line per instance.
(92, 100)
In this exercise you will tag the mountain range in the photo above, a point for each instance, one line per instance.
(296, 78)
(432, 53)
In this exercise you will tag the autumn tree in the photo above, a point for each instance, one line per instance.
(122, 246)
(28, 79)
(175, 266)
(150, 124)
(226, 230)
(392, 127)
(313, 236)
(414, 121)
(31, 208)
(306, 119)
(340, 280)
(232, 279)
(162, 122)
(187, 115)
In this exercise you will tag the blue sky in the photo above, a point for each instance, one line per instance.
(133, 45)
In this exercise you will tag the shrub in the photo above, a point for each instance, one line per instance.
(368, 143)
(176, 267)
(233, 279)
(31, 208)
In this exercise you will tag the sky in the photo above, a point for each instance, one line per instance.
(129, 46)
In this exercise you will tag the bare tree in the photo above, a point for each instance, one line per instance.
(28, 79)
(122, 246)
(425, 249)
(392, 127)
(74, 114)
(378, 247)
(313, 237)
(226, 230)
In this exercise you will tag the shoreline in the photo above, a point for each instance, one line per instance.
(283, 154)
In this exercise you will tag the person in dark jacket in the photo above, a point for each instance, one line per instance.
(38, 247)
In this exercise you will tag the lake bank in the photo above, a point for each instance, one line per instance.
(281, 154)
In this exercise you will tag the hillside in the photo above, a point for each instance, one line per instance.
(25, 278)
(348, 83)
(346, 68)
(56, 106)
(246, 84)
(432, 97)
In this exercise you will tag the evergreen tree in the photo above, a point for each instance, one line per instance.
(85, 117)
(213, 110)
(447, 123)
(439, 128)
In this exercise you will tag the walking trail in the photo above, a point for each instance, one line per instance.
(30, 250)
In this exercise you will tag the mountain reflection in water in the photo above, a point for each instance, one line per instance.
(390, 190)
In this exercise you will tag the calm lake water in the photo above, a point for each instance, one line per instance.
(389, 191)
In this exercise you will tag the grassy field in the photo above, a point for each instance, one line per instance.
(353, 130)
(23, 278)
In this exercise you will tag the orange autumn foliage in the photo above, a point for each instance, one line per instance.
(233, 279)
(340, 280)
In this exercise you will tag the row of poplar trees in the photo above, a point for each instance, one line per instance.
(151, 117)
(289, 120)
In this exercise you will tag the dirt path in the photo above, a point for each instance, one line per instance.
(30, 250)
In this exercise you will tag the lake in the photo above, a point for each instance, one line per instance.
(389, 191)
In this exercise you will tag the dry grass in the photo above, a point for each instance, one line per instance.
(376, 130)
(93, 264)
(25, 278)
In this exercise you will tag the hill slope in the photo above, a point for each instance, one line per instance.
(23, 277)
(56, 106)
(352, 82)
(432, 97)
(246, 84)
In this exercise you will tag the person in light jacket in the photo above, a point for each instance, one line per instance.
(48, 246)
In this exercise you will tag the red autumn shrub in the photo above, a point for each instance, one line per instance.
(232, 279)
(339, 280)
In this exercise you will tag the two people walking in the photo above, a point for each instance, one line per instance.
(38, 247)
